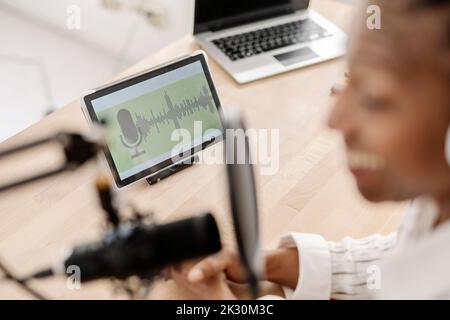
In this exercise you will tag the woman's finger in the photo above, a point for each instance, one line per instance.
(165, 273)
(209, 266)
(176, 274)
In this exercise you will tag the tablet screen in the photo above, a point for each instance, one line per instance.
(150, 118)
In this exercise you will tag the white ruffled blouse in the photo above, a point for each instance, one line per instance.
(413, 263)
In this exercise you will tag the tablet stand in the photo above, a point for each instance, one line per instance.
(173, 169)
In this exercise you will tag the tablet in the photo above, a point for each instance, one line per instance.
(157, 118)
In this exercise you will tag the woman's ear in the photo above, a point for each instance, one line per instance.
(447, 146)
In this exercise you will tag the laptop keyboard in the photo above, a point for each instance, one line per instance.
(252, 43)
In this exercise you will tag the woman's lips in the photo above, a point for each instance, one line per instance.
(361, 174)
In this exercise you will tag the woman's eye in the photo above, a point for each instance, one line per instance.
(372, 102)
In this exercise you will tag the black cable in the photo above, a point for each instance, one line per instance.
(8, 275)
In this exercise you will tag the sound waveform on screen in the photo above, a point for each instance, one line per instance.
(175, 112)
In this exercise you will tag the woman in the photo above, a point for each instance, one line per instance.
(395, 118)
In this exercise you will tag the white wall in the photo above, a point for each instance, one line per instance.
(43, 64)
(108, 30)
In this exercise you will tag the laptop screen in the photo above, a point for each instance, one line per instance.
(211, 15)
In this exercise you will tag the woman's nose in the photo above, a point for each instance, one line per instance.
(336, 119)
(340, 117)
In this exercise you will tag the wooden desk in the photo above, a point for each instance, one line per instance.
(311, 192)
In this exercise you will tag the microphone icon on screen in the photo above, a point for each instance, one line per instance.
(131, 135)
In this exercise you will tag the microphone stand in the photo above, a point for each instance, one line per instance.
(8, 275)
(77, 150)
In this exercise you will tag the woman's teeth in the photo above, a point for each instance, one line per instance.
(364, 161)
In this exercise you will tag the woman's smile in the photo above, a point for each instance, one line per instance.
(364, 161)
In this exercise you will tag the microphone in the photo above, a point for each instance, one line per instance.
(142, 250)
(131, 135)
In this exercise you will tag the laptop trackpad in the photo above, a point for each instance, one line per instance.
(295, 56)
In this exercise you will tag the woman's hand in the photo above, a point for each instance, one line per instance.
(207, 278)
(214, 287)
(226, 261)
(282, 267)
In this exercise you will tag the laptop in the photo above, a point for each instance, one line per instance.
(253, 39)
